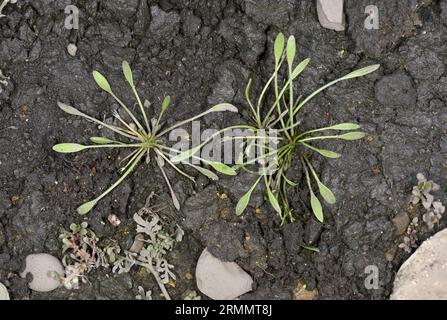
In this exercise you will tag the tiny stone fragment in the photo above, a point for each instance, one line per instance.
(72, 49)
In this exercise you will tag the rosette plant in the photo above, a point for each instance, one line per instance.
(282, 117)
(143, 137)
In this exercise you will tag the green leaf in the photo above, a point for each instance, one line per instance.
(316, 207)
(102, 82)
(128, 73)
(223, 107)
(86, 207)
(323, 152)
(273, 201)
(69, 109)
(68, 147)
(362, 72)
(288, 181)
(186, 154)
(344, 126)
(311, 248)
(247, 89)
(243, 203)
(328, 153)
(299, 68)
(245, 199)
(279, 47)
(101, 140)
(223, 168)
(291, 50)
(208, 173)
(166, 103)
(352, 135)
(326, 193)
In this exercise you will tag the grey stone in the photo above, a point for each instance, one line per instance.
(221, 280)
(423, 276)
(42, 267)
(330, 14)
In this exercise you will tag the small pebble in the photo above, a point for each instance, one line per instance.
(72, 49)
(114, 220)
(138, 243)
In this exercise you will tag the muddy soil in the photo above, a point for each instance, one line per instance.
(201, 53)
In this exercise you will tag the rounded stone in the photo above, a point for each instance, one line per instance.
(4, 295)
(44, 268)
(221, 280)
(72, 49)
(423, 276)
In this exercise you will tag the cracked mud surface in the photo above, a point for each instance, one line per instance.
(201, 53)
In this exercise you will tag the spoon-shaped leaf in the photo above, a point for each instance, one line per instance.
(291, 50)
(326, 193)
(166, 103)
(223, 168)
(328, 153)
(186, 154)
(69, 109)
(273, 201)
(102, 140)
(299, 68)
(361, 72)
(316, 206)
(86, 207)
(245, 199)
(128, 73)
(344, 126)
(68, 147)
(102, 82)
(279, 47)
(323, 152)
(207, 173)
(352, 135)
(311, 248)
(223, 107)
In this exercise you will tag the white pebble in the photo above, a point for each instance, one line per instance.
(4, 295)
(72, 49)
(43, 267)
(221, 280)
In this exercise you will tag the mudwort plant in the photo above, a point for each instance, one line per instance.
(282, 116)
(144, 139)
